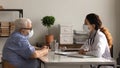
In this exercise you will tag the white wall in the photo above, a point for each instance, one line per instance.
(67, 12)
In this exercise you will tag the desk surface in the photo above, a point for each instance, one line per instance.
(61, 59)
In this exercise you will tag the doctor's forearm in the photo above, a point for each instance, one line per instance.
(94, 53)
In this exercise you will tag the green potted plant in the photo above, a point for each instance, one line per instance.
(48, 21)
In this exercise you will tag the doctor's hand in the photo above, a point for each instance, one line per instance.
(82, 51)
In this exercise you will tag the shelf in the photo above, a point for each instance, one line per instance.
(6, 28)
(71, 45)
(19, 10)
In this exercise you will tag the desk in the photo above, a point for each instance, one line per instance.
(60, 61)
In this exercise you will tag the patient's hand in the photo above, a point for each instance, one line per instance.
(37, 48)
(44, 59)
(45, 50)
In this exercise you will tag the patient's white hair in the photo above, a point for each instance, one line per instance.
(21, 23)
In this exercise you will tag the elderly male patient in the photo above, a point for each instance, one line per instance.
(18, 51)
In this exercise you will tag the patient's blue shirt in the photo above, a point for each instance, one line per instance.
(17, 51)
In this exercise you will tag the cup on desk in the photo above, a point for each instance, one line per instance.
(52, 45)
(56, 47)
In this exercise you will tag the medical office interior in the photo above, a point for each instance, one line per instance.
(66, 12)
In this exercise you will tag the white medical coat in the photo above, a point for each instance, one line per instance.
(100, 46)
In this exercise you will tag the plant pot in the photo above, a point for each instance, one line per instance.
(49, 39)
(1, 7)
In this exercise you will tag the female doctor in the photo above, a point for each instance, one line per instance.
(100, 40)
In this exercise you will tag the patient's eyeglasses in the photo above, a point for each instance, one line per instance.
(27, 28)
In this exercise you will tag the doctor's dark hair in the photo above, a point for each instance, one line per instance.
(94, 19)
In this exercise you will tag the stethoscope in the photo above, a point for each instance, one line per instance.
(91, 40)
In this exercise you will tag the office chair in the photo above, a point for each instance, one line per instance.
(118, 61)
(6, 64)
(111, 51)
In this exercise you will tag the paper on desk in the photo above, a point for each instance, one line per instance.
(73, 54)
(66, 53)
